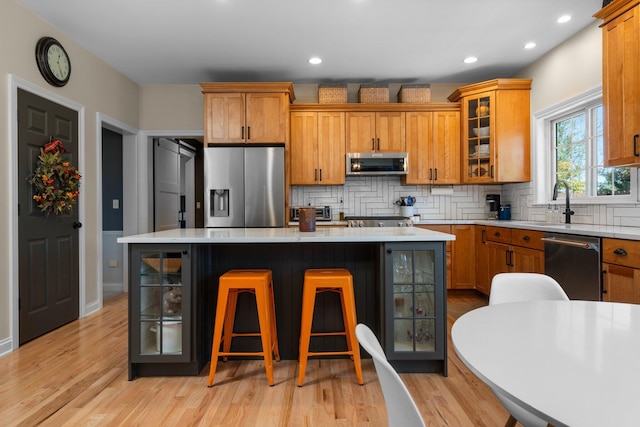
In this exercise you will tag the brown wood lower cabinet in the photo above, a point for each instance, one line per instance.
(504, 250)
(461, 270)
(621, 271)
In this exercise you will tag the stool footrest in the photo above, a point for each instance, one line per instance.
(330, 353)
(328, 334)
(241, 353)
(245, 334)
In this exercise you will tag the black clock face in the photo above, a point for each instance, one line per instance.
(53, 61)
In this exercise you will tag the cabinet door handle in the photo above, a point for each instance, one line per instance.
(620, 252)
(526, 238)
(497, 234)
(635, 144)
(491, 171)
(430, 174)
(248, 132)
(315, 174)
(604, 282)
(373, 143)
(484, 236)
(507, 257)
(378, 143)
(242, 133)
(435, 174)
(320, 175)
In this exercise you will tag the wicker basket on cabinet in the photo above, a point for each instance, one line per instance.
(373, 94)
(332, 94)
(414, 94)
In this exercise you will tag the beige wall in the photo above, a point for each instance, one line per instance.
(308, 93)
(568, 70)
(94, 85)
(171, 107)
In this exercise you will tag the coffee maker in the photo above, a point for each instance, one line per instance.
(493, 200)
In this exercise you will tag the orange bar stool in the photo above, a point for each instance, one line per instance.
(259, 283)
(337, 280)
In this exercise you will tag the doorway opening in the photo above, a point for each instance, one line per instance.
(174, 182)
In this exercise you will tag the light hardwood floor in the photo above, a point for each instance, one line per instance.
(77, 376)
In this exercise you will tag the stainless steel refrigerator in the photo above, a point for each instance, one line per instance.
(244, 186)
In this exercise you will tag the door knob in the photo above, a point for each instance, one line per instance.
(76, 225)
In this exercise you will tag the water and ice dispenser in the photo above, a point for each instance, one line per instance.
(219, 202)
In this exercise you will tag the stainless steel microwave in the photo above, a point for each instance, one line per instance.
(377, 163)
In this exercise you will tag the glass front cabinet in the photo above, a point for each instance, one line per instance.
(415, 324)
(479, 135)
(160, 310)
(495, 117)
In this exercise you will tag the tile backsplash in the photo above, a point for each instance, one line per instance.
(375, 196)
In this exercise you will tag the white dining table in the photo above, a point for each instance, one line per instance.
(571, 363)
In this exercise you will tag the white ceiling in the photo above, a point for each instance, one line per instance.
(360, 41)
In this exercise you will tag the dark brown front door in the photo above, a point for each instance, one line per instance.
(48, 244)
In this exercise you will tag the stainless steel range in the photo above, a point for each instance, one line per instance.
(378, 221)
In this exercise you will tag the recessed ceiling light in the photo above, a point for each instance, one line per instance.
(563, 19)
(470, 60)
(530, 45)
(315, 60)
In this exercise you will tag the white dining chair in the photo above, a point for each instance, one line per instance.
(401, 409)
(520, 287)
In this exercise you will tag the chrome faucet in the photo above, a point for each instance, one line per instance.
(567, 211)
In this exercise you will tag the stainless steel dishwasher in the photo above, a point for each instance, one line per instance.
(574, 261)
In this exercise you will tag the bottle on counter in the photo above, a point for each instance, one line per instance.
(548, 215)
(557, 215)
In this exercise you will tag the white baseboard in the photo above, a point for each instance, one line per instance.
(5, 346)
(92, 307)
(113, 287)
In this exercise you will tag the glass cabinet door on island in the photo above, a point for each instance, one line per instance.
(159, 308)
(415, 306)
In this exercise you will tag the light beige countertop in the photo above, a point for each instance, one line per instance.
(289, 235)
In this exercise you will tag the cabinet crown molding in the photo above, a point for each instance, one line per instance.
(253, 87)
(615, 9)
(496, 84)
(356, 107)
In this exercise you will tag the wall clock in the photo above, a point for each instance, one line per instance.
(53, 62)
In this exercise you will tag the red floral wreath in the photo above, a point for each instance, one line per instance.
(55, 182)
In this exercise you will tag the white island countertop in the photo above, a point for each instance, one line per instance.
(289, 235)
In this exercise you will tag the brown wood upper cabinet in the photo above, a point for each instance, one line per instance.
(495, 131)
(621, 82)
(246, 112)
(317, 148)
(375, 132)
(433, 144)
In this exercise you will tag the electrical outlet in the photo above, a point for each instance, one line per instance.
(113, 263)
(116, 204)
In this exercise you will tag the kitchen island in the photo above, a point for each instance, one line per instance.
(399, 284)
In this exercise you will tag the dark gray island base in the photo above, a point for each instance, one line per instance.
(399, 288)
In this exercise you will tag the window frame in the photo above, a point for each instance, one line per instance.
(544, 153)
